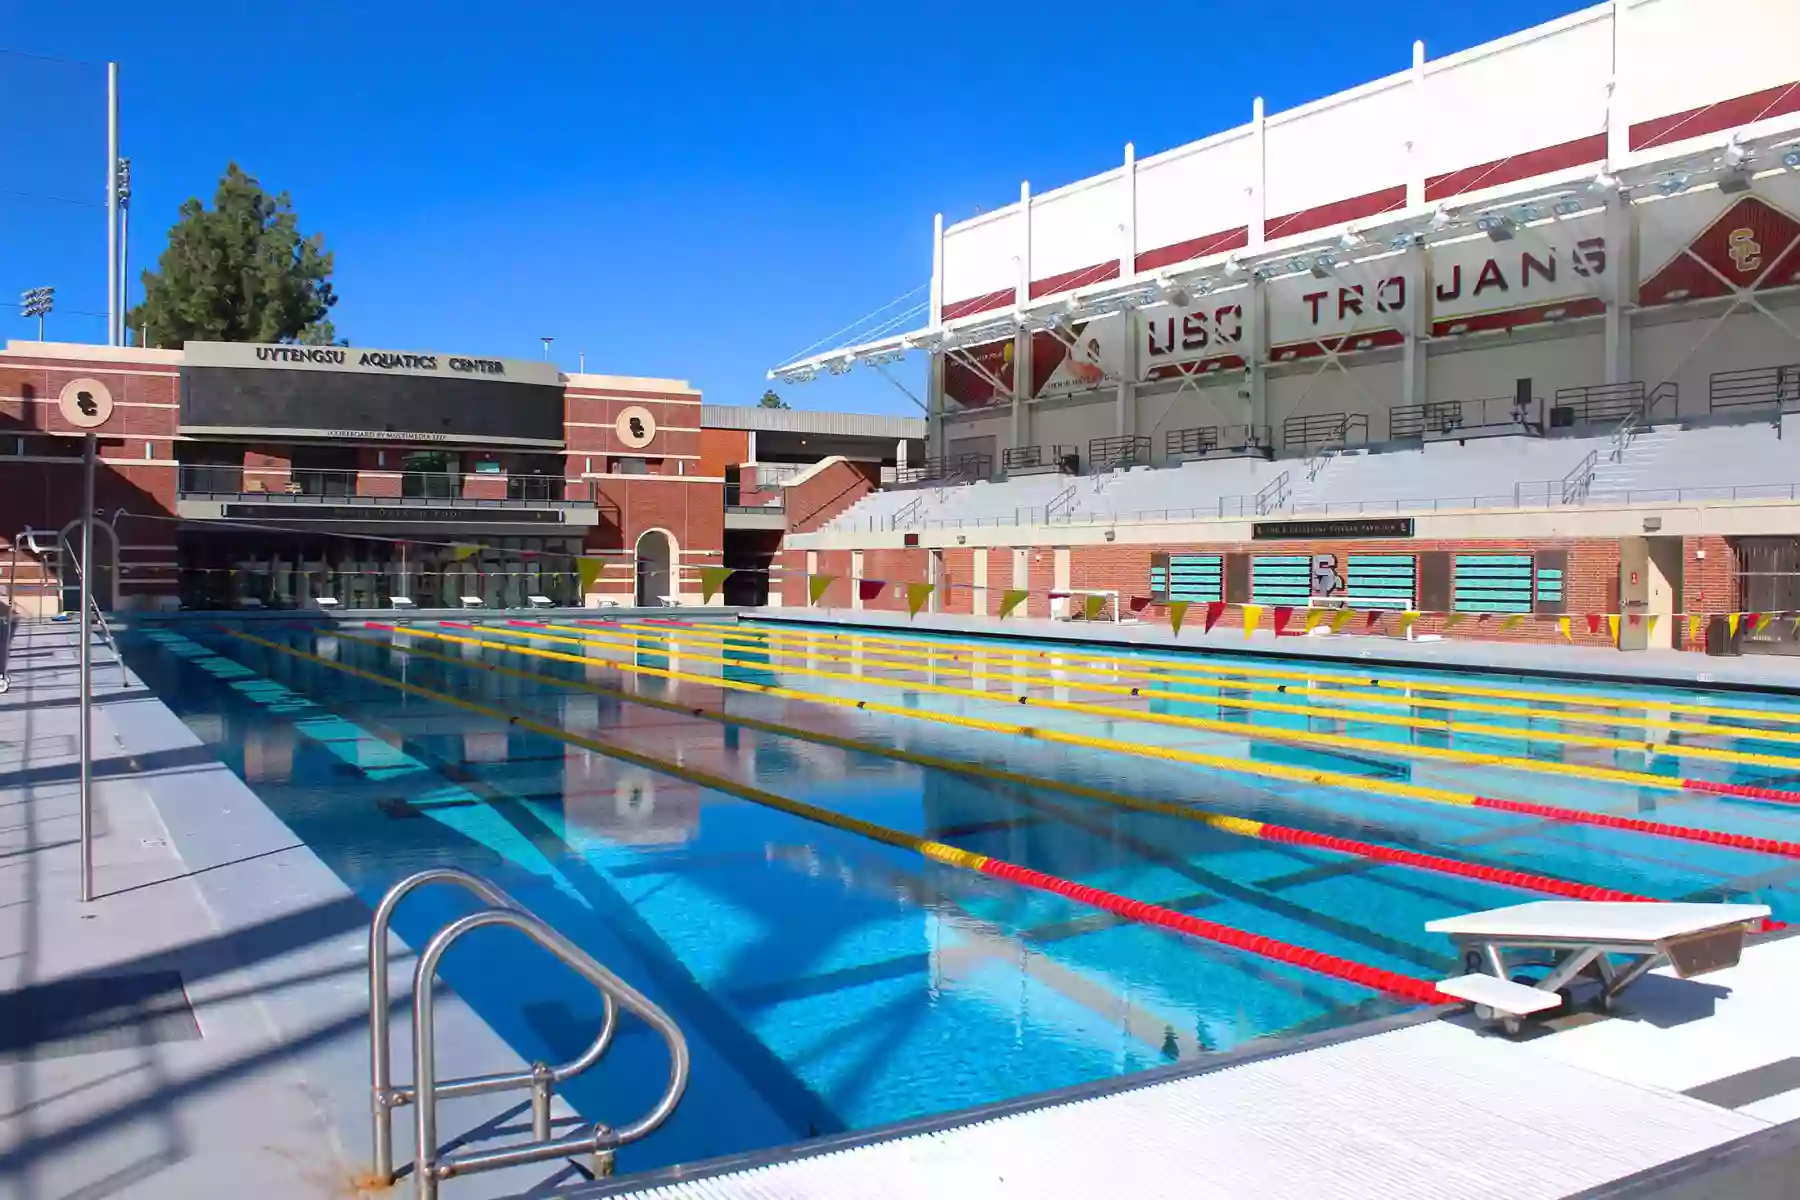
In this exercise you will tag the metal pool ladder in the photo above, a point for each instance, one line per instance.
(599, 1141)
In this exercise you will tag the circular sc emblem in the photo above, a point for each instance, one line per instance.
(85, 403)
(635, 427)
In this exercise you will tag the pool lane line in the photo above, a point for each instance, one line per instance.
(1394, 983)
(1180, 667)
(1310, 739)
(1309, 692)
(1354, 783)
(1394, 720)
(1240, 826)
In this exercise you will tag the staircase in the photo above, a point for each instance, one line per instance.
(1638, 465)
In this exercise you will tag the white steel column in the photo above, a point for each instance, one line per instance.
(934, 380)
(1415, 351)
(1415, 147)
(114, 318)
(1258, 208)
(1620, 285)
(1020, 430)
(1124, 416)
(1256, 333)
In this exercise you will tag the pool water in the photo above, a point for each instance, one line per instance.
(830, 982)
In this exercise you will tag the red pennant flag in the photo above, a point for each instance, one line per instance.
(1593, 623)
(1633, 620)
(1282, 615)
(1214, 610)
(1754, 620)
(868, 589)
(1140, 603)
(1374, 619)
(1061, 595)
(1482, 619)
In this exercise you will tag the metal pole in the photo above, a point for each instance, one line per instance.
(123, 188)
(112, 204)
(87, 675)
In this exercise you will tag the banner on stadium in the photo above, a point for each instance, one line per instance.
(970, 387)
(1204, 337)
(1702, 245)
(1081, 357)
(1355, 306)
(1480, 284)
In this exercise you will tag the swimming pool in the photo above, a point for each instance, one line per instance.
(830, 980)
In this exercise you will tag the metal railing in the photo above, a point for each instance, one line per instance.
(1635, 421)
(1323, 429)
(1063, 502)
(908, 514)
(1574, 486)
(1610, 403)
(1190, 443)
(49, 560)
(431, 1168)
(1027, 460)
(1118, 453)
(949, 467)
(308, 485)
(1773, 388)
(1273, 495)
(1448, 418)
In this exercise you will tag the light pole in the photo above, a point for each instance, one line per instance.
(112, 204)
(124, 247)
(38, 302)
(546, 341)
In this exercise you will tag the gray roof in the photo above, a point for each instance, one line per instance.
(794, 420)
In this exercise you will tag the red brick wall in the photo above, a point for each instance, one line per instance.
(829, 492)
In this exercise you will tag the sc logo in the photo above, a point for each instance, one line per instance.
(85, 403)
(635, 427)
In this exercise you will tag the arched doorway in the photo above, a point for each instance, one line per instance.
(106, 567)
(655, 559)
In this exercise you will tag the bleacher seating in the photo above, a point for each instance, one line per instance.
(1665, 462)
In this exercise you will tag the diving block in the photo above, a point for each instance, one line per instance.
(403, 603)
(473, 602)
(541, 601)
(327, 602)
(1572, 938)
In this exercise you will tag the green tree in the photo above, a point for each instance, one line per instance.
(240, 271)
(771, 400)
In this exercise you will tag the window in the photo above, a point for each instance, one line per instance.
(1192, 577)
(1495, 583)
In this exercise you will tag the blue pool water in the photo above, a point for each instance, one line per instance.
(829, 982)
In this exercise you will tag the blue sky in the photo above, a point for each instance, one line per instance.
(692, 190)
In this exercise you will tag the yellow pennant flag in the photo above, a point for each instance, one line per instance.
(1731, 622)
(1650, 626)
(1012, 598)
(711, 579)
(1612, 627)
(1092, 605)
(1512, 622)
(1452, 620)
(1695, 620)
(816, 585)
(1177, 610)
(1406, 621)
(1313, 617)
(1562, 623)
(1252, 618)
(463, 552)
(916, 595)
(1341, 619)
(586, 569)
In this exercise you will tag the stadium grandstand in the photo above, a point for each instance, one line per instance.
(1439, 322)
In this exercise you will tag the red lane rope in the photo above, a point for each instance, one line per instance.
(1392, 982)
(1744, 790)
(1661, 829)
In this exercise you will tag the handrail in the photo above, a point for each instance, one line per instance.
(1065, 500)
(1273, 495)
(1773, 388)
(63, 546)
(907, 513)
(1576, 483)
(426, 1091)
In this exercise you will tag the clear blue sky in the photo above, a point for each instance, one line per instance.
(693, 190)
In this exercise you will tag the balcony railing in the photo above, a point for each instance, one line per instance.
(1459, 418)
(1028, 460)
(1775, 389)
(308, 485)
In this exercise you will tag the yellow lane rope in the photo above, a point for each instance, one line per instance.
(1191, 668)
(1224, 822)
(1237, 729)
(1049, 659)
(1446, 726)
(1354, 783)
(1408, 986)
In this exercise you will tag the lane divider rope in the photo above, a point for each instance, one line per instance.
(1445, 726)
(1354, 783)
(1394, 983)
(1235, 729)
(1241, 826)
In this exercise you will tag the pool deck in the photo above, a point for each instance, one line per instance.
(229, 1054)
(201, 1028)
(1675, 667)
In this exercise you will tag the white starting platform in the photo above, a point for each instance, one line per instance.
(1572, 939)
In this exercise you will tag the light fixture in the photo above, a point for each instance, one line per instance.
(1458, 329)
(1234, 266)
(1202, 286)
(1555, 314)
(1675, 181)
(1261, 274)
(840, 365)
(1400, 241)
(1604, 182)
(1297, 265)
(1528, 213)
(1497, 226)
(1321, 266)
(1439, 220)
(1677, 294)
(1568, 206)
(1350, 240)
(1791, 160)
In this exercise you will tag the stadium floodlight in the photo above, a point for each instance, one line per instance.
(1673, 183)
(1262, 274)
(1234, 266)
(1440, 220)
(1528, 213)
(841, 364)
(1174, 292)
(1735, 154)
(1604, 182)
(1321, 266)
(1498, 226)
(1791, 160)
(1350, 240)
(38, 302)
(1568, 206)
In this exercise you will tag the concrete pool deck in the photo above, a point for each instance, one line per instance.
(263, 1087)
(201, 1028)
(1675, 667)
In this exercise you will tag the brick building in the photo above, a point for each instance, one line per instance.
(237, 476)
